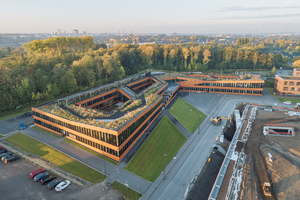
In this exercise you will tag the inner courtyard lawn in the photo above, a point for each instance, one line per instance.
(57, 158)
(187, 114)
(148, 162)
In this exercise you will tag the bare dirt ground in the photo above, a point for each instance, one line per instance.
(258, 146)
(249, 187)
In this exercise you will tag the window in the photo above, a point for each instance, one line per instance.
(285, 89)
(285, 83)
(298, 83)
(283, 94)
(298, 89)
(293, 89)
(289, 94)
(291, 83)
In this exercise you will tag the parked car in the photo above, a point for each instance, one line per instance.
(11, 158)
(28, 114)
(44, 178)
(0, 147)
(53, 183)
(39, 176)
(22, 126)
(48, 179)
(61, 186)
(287, 102)
(4, 157)
(3, 150)
(36, 172)
(4, 154)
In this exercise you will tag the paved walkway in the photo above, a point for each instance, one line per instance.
(114, 172)
(183, 130)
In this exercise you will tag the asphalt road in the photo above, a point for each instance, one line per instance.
(12, 124)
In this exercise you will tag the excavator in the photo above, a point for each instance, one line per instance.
(297, 106)
(217, 120)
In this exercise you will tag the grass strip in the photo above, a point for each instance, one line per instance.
(187, 114)
(270, 91)
(127, 192)
(149, 161)
(57, 158)
(292, 100)
(91, 151)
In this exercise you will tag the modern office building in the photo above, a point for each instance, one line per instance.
(288, 86)
(110, 119)
(75, 32)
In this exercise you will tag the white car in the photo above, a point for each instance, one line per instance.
(287, 102)
(62, 185)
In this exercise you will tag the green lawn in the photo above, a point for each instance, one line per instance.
(270, 91)
(1, 135)
(57, 158)
(293, 100)
(44, 131)
(148, 162)
(91, 151)
(187, 114)
(127, 192)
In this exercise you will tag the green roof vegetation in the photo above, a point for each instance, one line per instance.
(148, 162)
(187, 114)
(127, 192)
(114, 124)
(57, 158)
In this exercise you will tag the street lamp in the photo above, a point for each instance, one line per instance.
(165, 166)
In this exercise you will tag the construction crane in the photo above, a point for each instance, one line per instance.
(217, 120)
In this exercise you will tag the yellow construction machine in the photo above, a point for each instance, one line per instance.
(217, 120)
(297, 107)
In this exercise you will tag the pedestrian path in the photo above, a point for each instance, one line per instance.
(183, 130)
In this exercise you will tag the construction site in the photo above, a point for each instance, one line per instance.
(263, 158)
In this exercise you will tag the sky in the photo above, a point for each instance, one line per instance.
(151, 16)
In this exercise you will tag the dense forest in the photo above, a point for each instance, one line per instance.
(47, 69)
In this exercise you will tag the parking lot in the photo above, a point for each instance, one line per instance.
(16, 184)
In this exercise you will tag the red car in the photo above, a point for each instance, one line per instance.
(36, 172)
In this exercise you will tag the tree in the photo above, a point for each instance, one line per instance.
(206, 55)
(68, 83)
(273, 70)
(296, 63)
(270, 60)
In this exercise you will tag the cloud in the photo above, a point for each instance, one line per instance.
(240, 8)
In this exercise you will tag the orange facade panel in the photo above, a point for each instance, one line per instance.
(75, 123)
(96, 97)
(78, 133)
(132, 134)
(140, 81)
(103, 101)
(137, 117)
(47, 129)
(158, 91)
(133, 143)
(116, 158)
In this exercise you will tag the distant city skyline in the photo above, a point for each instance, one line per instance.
(189, 16)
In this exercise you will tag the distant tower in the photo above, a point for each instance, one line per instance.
(58, 31)
(75, 32)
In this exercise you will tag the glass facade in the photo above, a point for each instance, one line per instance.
(100, 135)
